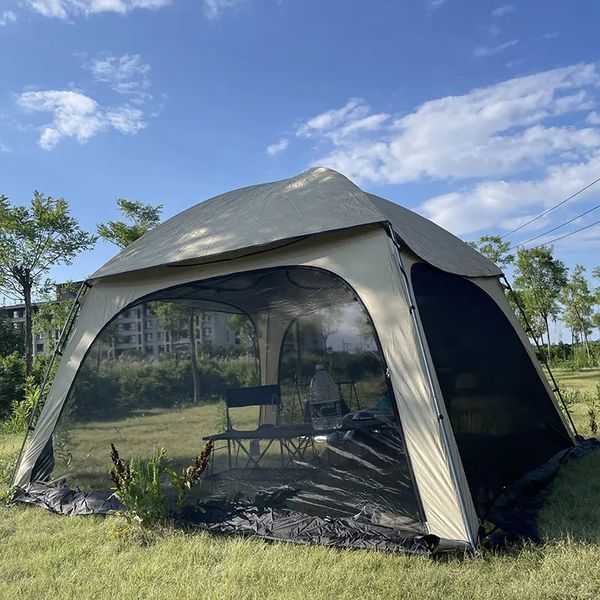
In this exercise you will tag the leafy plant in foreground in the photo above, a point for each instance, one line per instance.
(138, 483)
(138, 487)
(191, 475)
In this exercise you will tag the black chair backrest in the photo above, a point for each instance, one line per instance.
(264, 395)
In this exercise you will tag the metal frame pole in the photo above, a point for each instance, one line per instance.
(430, 380)
(62, 340)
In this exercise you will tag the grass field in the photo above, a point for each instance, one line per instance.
(48, 556)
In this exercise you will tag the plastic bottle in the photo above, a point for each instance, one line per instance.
(324, 401)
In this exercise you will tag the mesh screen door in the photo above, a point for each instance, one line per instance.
(504, 422)
(205, 360)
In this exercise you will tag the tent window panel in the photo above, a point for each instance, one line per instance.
(504, 422)
(290, 386)
(139, 398)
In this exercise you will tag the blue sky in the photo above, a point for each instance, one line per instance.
(477, 114)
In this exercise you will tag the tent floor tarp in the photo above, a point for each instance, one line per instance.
(514, 514)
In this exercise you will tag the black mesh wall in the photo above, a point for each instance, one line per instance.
(502, 416)
(136, 389)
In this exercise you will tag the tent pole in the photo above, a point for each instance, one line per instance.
(437, 404)
(58, 350)
(542, 358)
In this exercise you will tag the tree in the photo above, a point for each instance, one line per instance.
(539, 279)
(12, 382)
(53, 311)
(578, 301)
(139, 219)
(243, 328)
(174, 318)
(495, 249)
(535, 322)
(11, 339)
(596, 315)
(32, 240)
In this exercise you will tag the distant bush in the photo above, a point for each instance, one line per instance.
(573, 357)
(133, 382)
(21, 408)
(12, 382)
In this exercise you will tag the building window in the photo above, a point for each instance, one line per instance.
(160, 336)
(161, 349)
(148, 324)
(207, 331)
(148, 337)
(148, 349)
(39, 347)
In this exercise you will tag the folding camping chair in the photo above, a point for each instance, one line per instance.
(264, 395)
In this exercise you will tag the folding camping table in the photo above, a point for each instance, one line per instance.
(296, 440)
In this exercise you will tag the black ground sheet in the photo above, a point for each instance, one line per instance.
(514, 514)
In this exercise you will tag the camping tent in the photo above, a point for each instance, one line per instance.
(441, 402)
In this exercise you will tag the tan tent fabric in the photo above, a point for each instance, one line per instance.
(352, 257)
(313, 202)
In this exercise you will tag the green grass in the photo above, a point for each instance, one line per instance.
(49, 556)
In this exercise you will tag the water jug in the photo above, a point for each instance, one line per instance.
(324, 401)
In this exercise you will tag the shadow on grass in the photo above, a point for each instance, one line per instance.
(572, 510)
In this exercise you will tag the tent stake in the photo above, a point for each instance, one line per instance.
(58, 351)
(542, 358)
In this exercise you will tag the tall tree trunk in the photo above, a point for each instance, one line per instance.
(584, 336)
(28, 328)
(585, 341)
(193, 357)
(547, 334)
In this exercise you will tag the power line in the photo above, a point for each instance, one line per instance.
(567, 234)
(558, 226)
(551, 208)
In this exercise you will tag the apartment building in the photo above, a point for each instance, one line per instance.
(139, 329)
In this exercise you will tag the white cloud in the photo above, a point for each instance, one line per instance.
(508, 204)
(214, 9)
(126, 74)
(4, 148)
(342, 124)
(7, 17)
(75, 115)
(593, 118)
(491, 50)
(278, 147)
(65, 9)
(493, 131)
(502, 10)
(435, 4)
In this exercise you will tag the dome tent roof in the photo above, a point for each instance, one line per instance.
(316, 201)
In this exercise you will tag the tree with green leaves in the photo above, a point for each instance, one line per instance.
(495, 249)
(578, 301)
(53, 311)
(596, 315)
(539, 278)
(243, 328)
(32, 241)
(175, 318)
(11, 339)
(531, 318)
(139, 219)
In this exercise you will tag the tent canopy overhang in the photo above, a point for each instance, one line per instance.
(272, 215)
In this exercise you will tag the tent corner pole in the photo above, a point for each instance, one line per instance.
(58, 350)
(412, 305)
